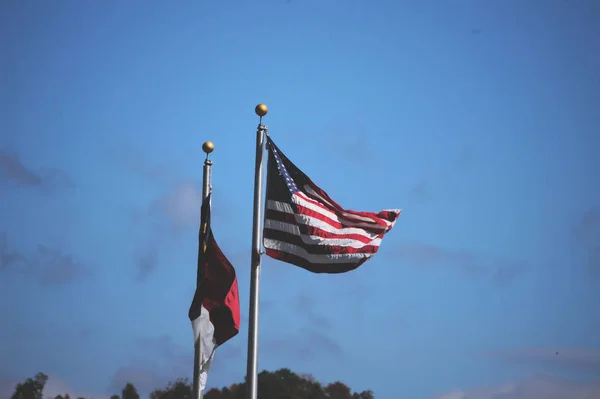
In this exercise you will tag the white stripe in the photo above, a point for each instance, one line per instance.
(280, 207)
(312, 192)
(312, 221)
(322, 199)
(316, 240)
(205, 332)
(301, 199)
(312, 258)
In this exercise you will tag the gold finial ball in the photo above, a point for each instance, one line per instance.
(208, 147)
(261, 110)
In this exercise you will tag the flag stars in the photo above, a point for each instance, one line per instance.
(284, 172)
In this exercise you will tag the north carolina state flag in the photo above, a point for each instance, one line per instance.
(215, 309)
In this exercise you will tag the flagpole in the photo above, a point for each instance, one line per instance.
(207, 147)
(252, 367)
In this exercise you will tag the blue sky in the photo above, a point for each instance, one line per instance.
(479, 119)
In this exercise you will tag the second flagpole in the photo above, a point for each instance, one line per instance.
(207, 147)
(252, 367)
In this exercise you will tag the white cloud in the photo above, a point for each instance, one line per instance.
(181, 205)
(452, 395)
(55, 387)
(536, 387)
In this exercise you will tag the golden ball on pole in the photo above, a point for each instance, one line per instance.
(208, 147)
(261, 110)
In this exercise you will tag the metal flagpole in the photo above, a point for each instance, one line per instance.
(252, 370)
(207, 147)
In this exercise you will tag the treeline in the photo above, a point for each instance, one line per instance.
(281, 384)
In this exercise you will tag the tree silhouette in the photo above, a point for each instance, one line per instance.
(32, 388)
(129, 392)
(280, 384)
(337, 390)
(364, 395)
(180, 389)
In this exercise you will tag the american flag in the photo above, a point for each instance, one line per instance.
(306, 228)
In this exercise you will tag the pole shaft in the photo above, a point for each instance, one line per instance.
(197, 346)
(206, 178)
(252, 370)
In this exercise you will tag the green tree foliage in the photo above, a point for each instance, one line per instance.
(180, 389)
(280, 384)
(364, 395)
(32, 388)
(129, 392)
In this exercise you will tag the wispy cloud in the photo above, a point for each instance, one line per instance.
(586, 239)
(421, 191)
(12, 169)
(48, 266)
(354, 148)
(306, 306)
(8, 257)
(535, 387)
(358, 149)
(176, 210)
(573, 359)
(146, 264)
(180, 206)
(507, 272)
(424, 188)
(8, 385)
(464, 159)
(136, 162)
(160, 360)
(145, 377)
(162, 345)
(55, 386)
(468, 263)
(305, 344)
(429, 256)
(56, 267)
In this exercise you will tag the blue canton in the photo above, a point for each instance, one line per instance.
(284, 172)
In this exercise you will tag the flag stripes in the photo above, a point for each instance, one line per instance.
(305, 227)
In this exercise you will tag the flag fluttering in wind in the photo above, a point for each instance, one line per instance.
(215, 309)
(306, 228)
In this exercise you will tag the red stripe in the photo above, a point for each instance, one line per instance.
(376, 220)
(315, 249)
(335, 224)
(385, 215)
(319, 216)
(315, 231)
